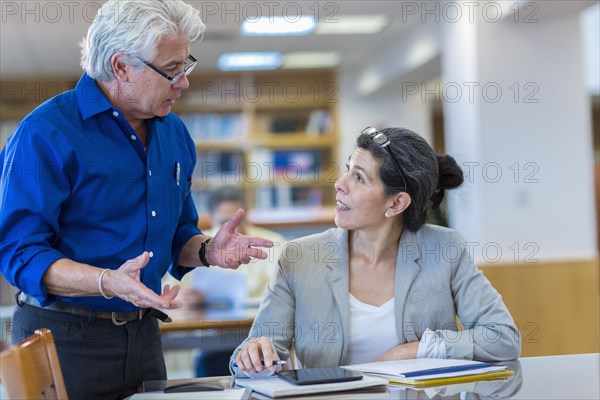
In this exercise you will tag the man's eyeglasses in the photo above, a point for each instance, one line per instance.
(381, 139)
(187, 68)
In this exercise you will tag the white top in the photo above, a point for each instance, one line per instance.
(372, 331)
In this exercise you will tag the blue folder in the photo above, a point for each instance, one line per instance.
(443, 370)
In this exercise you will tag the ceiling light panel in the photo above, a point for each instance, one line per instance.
(266, 60)
(353, 25)
(278, 26)
(312, 59)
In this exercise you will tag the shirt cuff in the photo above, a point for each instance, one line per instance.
(431, 345)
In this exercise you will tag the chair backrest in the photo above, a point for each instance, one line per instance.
(30, 369)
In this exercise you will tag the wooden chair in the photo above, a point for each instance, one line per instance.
(30, 369)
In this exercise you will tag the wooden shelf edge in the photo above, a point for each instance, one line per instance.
(240, 144)
(292, 217)
(294, 140)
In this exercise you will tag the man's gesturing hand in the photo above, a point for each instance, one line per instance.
(230, 249)
(125, 283)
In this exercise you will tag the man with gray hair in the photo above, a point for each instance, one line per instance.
(96, 207)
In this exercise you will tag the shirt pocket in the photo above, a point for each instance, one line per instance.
(178, 194)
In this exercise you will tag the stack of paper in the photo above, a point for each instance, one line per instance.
(226, 394)
(432, 371)
(274, 386)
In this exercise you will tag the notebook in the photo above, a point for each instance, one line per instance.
(274, 386)
(432, 371)
(221, 286)
(227, 394)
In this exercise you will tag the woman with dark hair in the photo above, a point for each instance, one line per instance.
(383, 285)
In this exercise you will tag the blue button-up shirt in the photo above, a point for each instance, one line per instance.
(76, 183)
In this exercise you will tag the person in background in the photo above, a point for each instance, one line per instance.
(94, 193)
(223, 202)
(383, 285)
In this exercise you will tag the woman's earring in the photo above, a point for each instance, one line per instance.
(387, 214)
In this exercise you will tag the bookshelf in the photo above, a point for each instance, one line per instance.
(20, 95)
(273, 134)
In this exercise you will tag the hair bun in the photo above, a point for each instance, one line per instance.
(450, 174)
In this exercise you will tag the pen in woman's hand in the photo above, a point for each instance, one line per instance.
(276, 362)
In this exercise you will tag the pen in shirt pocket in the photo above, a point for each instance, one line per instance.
(177, 171)
(189, 181)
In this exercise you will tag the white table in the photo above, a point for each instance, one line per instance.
(551, 377)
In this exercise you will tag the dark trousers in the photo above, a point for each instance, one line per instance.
(98, 359)
(212, 363)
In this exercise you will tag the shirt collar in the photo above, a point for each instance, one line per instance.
(90, 98)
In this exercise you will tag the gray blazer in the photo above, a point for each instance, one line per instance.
(307, 301)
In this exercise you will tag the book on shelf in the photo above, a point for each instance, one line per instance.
(424, 372)
(285, 196)
(219, 167)
(291, 165)
(296, 164)
(287, 123)
(313, 122)
(216, 127)
(319, 122)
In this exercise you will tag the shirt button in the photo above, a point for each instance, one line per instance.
(153, 213)
(133, 137)
(115, 113)
(149, 172)
(151, 254)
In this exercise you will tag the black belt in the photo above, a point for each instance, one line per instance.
(118, 318)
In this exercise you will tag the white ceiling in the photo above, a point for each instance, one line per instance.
(40, 38)
(43, 39)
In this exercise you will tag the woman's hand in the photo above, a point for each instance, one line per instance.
(401, 352)
(257, 354)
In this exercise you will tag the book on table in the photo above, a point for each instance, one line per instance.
(432, 371)
(274, 386)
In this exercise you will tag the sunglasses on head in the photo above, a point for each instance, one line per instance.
(382, 140)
